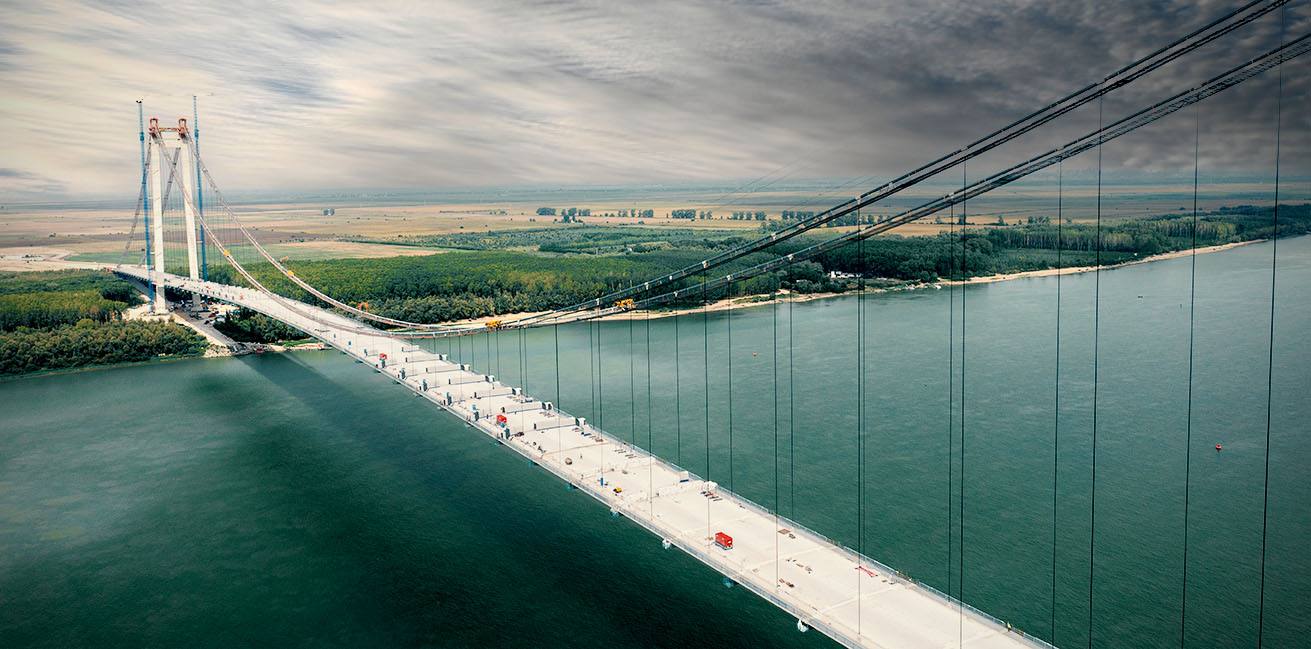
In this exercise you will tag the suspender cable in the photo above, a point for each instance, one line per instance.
(600, 377)
(632, 385)
(860, 429)
(200, 195)
(728, 294)
(774, 375)
(951, 389)
(591, 364)
(964, 221)
(1056, 428)
(705, 354)
(792, 420)
(1270, 370)
(678, 394)
(1097, 302)
(1192, 328)
(559, 396)
(650, 441)
(145, 165)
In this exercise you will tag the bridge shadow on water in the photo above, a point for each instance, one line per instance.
(295, 500)
(400, 493)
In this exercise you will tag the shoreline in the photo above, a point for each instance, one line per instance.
(1048, 272)
(741, 302)
(747, 301)
(762, 299)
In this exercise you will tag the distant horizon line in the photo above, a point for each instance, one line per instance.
(526, 192)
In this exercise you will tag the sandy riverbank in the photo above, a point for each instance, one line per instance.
(1083, 269)
(752, 300)
(748, 301)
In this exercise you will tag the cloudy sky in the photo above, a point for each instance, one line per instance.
(316, 95)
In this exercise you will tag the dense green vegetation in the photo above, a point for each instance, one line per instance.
(109, 286)
(454, 286)
(246, 326)
(54, 298)
(493, 280)
(54, 308)
(574, 238)
(61, 319)
(91, 343)
(993, 250)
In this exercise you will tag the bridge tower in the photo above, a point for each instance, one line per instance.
(173, 143)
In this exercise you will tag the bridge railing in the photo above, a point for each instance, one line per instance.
(809, 617)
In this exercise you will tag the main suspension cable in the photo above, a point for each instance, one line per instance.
(1122, 77)
(1165, 107)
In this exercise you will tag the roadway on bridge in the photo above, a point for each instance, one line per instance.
(855, 600)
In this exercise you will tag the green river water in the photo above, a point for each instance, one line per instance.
(302, 500)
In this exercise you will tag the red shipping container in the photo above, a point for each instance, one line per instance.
(723, 540)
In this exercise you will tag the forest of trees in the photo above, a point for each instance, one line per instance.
(62, 319)
(109, 286)
(53, 308)
(246, 326)
(992, 250)
(91, 343)
(53, 298)
(446, 287)
(575, 238)
(456, 286)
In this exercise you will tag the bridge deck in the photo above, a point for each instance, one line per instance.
(855, 600)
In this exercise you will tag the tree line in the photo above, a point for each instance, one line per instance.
(62, 319)
(246, 326)
(91, 343)
(456, 286)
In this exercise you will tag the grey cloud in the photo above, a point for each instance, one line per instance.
(595, 91)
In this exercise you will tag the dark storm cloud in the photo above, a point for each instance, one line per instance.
(310, 95)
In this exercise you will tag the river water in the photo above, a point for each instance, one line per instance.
(300, 500)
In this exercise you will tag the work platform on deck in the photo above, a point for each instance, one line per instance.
(854, 600)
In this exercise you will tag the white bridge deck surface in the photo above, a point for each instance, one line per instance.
(812, 578)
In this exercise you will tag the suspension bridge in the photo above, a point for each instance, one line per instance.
(825, 585)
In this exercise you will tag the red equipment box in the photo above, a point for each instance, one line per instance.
(723, 540)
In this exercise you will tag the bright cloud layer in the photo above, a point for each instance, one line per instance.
(313, 96)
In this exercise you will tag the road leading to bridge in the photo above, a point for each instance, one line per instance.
(855, 600)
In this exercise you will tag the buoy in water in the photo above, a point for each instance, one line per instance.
(754, 354)
(1217, 447)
